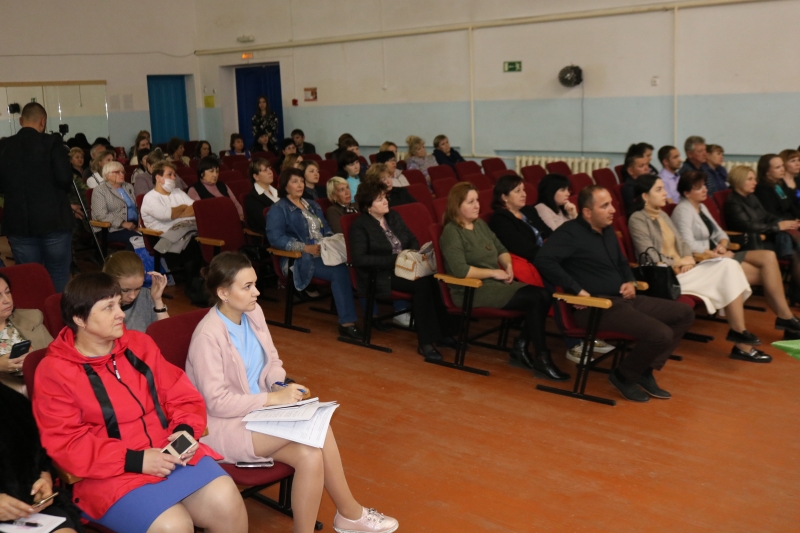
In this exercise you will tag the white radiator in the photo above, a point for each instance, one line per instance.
(730, 164)
(576, 164)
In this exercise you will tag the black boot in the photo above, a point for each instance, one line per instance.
(544, 367)
(519, 354)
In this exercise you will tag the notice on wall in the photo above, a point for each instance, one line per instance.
(208, 100)
(310, 94)
(512, 66)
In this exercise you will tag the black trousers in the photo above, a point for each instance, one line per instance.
(535, 302)
(430, 315)
(657, 325)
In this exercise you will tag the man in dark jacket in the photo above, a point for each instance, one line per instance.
(35, 176)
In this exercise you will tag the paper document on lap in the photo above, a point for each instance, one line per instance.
(309, 432)
(296, 412)
(46, 523)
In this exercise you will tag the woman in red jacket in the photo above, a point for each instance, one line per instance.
(107, 403)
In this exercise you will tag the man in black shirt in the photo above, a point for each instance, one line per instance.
(584, 258)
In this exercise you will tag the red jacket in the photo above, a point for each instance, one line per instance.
(72, 424)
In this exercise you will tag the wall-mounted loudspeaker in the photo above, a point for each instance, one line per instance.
(570, 76)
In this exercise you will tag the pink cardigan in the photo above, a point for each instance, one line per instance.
(217, 370)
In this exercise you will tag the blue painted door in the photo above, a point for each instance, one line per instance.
(168, 113)
(252, 82)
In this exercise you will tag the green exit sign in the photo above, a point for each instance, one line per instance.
(512, 66)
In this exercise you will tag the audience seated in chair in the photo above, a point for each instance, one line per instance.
(389, 158)
(313, 189)
(114, 201)
(720, 283)
(236, 367)
(714, 159)
(237, 146)
(697, 227)
(260, 142)
(175, 151)
(203, 149)
(791, 166)
(380, 173)
(261, 196)
(18, 325)
(142, 305)
(553, 205)
(697, 159)
(142, 143)
(583, 257)
(341, 202)
(771, 190)
(444, 153)
(209, 186)
(300, 143)
(287, 148)
(296, 225)
(418, 158)
(142, 177)
(95, 423)
(471, 250)
(377, 236)
(670, 158)
(350, 169)
(102, 159)
(27, 472)
(635, 165)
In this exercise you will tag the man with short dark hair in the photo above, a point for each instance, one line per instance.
(636, 164)
(300, 143)
(697, 159)
(36, 176)
(583, 257)
(670, 159)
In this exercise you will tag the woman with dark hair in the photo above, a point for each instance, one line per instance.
(234, 364)
(471, 250)
(310, 170)
(295, 224)
(175, 151)
(203, 149)
(771, 190)
(260, 142)
(389, 158)
(27, 472)
(237, 146)
(209, 186)
(553, 203)
(707, 240)
(109, 404)
(719, 282)
(79, 141)
(265, 121)
(791, 166)
(350, 170)
(261, 196)
(142, 142)
(444, 153)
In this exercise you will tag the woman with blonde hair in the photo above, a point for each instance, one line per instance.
(114, 201)
(341, 202)
(292, 160)
(142, 306)
(99, 161)
(418, 158)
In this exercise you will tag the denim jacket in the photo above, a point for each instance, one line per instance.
(287, 229)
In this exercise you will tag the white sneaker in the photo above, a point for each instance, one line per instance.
(371, 521)
(574, 353)
(403, 320)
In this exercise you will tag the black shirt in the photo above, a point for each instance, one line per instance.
(577, 257)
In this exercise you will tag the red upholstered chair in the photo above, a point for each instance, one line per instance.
(402, 165)
(415, 177)
(188, 175)
(492, 165)
(52, 315)
(485, 198)
(373, 158)
(496, 175)
(30, 284)
(103, 227)
(480, 181)
(439, 207)
(533, 174)
(313, 157)
(269, 156)
(465, 168)
(714, 209)
(229, 160)
(173, 336)
(193, 164)
(441, 172)
(226, 176)
(238, 188)
(579, 181)
(329, 156)
(669, 208)
(605, 177)
(242, 167)
(327, 170)
(324, 204)
(467, 312)
(531, 194)
(558, 167)
(363, 161)
(441, 187)
(423, 195)
(618, 202)
(189, 148)
(721, 197)
(618, 169)
(218, 227)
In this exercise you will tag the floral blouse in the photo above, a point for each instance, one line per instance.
(9, 337)
(269, 124)
(422, 164)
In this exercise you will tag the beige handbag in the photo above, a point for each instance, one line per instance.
(413, 264)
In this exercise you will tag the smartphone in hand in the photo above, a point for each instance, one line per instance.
(19, 349)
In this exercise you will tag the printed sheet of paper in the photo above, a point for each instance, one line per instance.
(309, 432)
(46, 523)
(291, 413)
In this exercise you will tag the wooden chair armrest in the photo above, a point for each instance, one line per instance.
(734, 246)
(248, 231)
(634, 265)
(618, 233)
(151, 232)
(65, 476)
(641, 285)
(285, 253)
(763, 237)
(464, 282)
(210, 242)
(735, 233)
(99, 224)
(587, 301)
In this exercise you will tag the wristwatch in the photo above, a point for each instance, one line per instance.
(162, 310)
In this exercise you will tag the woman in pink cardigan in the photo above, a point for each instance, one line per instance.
(235, 366)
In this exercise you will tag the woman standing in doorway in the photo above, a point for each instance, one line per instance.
(265, 121)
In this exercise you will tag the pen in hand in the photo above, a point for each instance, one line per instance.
(282, 384)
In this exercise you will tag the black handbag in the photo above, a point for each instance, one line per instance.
(662, 281)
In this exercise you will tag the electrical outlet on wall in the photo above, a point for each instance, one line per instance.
(654, 81)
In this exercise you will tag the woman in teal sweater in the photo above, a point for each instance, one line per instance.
(471, 250)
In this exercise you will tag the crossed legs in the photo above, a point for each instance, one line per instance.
(761, 268)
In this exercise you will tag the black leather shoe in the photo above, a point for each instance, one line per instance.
(381, 326)
(745, 337)
(790, 324)
(429, 351)
(351, 331)
(519, 354)
(754, 356)
(544, 367)
(630, 391)
(790, 335)
(648, 383)
(448, 342)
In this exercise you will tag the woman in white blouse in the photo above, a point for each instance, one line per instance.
(553, 206)
(99, 161)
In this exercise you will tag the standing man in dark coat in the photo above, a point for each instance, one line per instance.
(35, 177)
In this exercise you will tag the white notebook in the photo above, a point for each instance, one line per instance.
(46, 523)
(296, 412)
(309, 432)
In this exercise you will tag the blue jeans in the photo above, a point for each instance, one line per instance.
(53, 250)
(340, 287)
